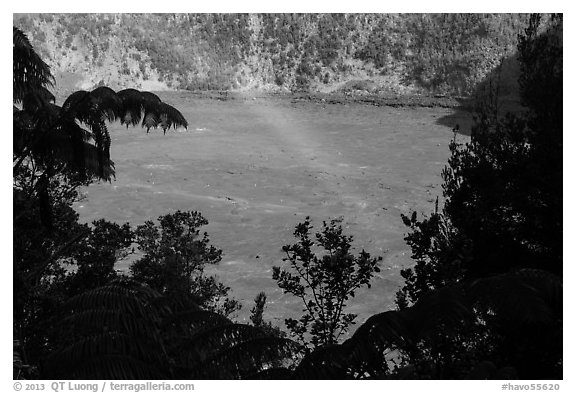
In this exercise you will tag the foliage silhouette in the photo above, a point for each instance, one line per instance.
(502, 213)
(323, 282)
(110, 332)
(39, 267)
(515, 311)
(49, 141)
(128, 331)
(175, 254)
(257, 312)
(96, 254)
(30, 73)
(503, 189)
(51, 135)
(257, 316)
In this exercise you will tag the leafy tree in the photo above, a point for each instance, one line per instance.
(50, 264)
(324, 282)
(175, 254)
(96, 254)
(502, 215)
(503, 189)
(38, 254)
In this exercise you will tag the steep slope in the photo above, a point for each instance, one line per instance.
(398, 53)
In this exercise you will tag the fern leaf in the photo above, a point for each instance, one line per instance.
(209, 341)
(247, 358)
(29, 71)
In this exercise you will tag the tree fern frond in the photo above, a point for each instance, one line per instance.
(107, 102)
(194, 321)
(516, 301)
(327, 362)
(247, 358)
(210, 341)
(102, 142)
(37, 98)
(118, 322)
(118, 367)
(113, 297)
(108, 342)
(151, 104)
(111, 366)
(151, 120)
(29, 71)
(75, 102)
(447, 306)
(519, 298)
(49, 125)
(390, 329)
(80, 151)
(150, 100)
(548, 285)
(94, 321)
(147, 295)
(99, 105)
(148, 107)
(132, 107)
(171, 117)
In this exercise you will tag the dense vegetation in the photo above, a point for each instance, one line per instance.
(503, 206)
(438, 53)
(503, 189)
(484, 299)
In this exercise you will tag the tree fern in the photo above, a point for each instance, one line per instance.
(248, 357)
(72, 140)
(125, 331)
(39, 121)
(116, 325)
(56, 129)
(521, 309)
(206, 345)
